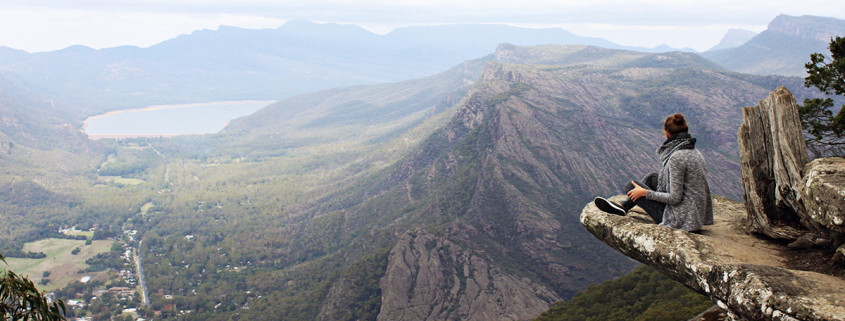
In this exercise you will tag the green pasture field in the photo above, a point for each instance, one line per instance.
(61, 264)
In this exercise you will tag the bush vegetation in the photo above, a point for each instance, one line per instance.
(642, 295)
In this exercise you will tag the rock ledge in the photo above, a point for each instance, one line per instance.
(745, 275)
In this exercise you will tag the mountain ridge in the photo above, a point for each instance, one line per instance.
(783, 48)
(489, 190)
(734, 38)
(810, 27)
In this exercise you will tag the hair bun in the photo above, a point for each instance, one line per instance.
(675, 124)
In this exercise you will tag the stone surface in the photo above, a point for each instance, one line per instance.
(823, 194)
(431, 278)
(772, 156)
(743, 274)
(714, 313)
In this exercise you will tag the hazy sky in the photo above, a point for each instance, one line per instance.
(43, 25)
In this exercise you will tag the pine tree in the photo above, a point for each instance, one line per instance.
(826, 130)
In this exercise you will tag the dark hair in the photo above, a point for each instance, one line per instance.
(675, 124)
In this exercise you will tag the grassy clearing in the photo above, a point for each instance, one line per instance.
(61, 264)
(120, 180)
(146, 208)
(88, 234)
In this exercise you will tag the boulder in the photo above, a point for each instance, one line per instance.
(823, 195)
(772, 156)
(744, 275)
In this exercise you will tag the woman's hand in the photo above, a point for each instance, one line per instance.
(637, 193)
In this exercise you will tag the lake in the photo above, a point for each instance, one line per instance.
(170, 120)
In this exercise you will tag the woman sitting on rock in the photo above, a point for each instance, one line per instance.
(678, 196)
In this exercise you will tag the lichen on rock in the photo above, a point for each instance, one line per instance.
(823, 193)
(740, 272)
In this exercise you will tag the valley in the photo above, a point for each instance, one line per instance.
(451, 196)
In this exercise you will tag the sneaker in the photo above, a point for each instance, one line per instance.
(609, 207)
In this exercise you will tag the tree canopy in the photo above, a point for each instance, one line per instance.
(826, 130)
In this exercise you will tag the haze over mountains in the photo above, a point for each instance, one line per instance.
(449, 196)
(734, 38)
(783, 48)
(233, 63)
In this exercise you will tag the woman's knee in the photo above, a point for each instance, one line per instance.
(651, 180)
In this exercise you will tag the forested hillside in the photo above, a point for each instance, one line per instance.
(642, 295)
(50, 174)
(454, 196)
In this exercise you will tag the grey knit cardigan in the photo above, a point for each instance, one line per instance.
(682, 185)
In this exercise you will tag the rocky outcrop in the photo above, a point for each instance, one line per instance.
(747, 274)
(808, 27)
(822, 193)
(823, 197)
(743, 274)
(431, 278)
(772, 155)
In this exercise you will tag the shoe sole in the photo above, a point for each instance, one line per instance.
(607, 206)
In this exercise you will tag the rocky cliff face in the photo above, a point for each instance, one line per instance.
(495, 189)
(430, 278)
(808, 27)
(783, 48)
(749, 276)
(529, 142)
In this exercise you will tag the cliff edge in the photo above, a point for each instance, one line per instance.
(743, 262)
(745, 275)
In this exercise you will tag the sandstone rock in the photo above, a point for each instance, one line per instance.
(839, 256)
(772, 156)
(744, 275)
(823, 194)
(431, 278)
(714, 313)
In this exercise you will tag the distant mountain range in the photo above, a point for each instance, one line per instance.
(30, 118)
(235, 63)
(734, 38)
(299, 57)
(783, 48)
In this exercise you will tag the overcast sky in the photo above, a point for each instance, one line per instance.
(44, 25)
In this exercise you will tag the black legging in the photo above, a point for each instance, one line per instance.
(653, 208)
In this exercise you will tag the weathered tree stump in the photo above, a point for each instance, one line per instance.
(772, 156)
